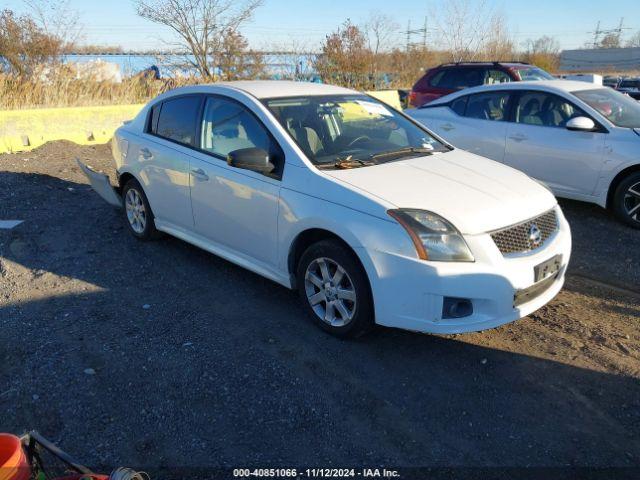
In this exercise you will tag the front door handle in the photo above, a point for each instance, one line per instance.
(200, 174)
(447, 126)
(518, 137)
(146, 153)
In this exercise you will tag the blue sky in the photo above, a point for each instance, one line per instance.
(280, 22)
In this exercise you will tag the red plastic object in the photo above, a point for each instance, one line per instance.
(13, 461)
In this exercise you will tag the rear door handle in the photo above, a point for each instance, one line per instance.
(447, 126)
(518, 137)
(200, 174)
(146, 153)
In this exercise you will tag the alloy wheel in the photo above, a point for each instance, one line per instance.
(136, 212)
(632, 202)
(330, 292)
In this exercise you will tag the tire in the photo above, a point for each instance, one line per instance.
(137, 212)
(341, 305)
(626, 200)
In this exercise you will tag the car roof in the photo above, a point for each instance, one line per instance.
(270, 88)
(561, 86)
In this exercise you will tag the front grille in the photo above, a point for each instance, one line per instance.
(518, 238)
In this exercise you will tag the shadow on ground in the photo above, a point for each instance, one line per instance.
(223, 368)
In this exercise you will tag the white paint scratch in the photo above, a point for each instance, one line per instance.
(9, 224)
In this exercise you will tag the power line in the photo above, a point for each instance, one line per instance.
(416, 32)
(615, 33)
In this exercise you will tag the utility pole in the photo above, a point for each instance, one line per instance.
(424, 35)
(596, 34)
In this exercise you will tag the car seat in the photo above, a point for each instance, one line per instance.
(531, 113)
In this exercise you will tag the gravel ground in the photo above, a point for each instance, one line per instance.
(161, 355)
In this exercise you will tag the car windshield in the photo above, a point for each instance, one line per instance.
(619, 109)
(350, 130)
(533, 73)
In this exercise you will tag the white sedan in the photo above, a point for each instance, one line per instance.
(331, 192)
(581, 140)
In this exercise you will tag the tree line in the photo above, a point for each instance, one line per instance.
(365, 56)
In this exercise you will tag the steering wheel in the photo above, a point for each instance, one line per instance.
(361, 138)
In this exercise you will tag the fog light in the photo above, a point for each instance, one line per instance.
(456, 307)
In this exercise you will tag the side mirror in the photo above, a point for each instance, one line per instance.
(255, 159)
(583, 124)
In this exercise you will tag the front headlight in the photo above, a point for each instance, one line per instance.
(434, 238)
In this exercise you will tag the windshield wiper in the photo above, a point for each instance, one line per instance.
(347, 162)
(401, 152)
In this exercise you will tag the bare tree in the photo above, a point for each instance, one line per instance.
(634, 41)
(297, 59)
(471, 30)
(498, 44)
(24, 46)
(380, 29)
(462, 27)
(57, 19)
(544, 45)
(201, 26)
(543, 52)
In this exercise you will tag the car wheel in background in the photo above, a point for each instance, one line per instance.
(334, 289)
(626, 200)
(137, 211)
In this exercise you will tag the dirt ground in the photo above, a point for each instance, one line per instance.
(161, 355)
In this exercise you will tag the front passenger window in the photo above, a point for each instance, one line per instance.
(488, 106)
(228, 126)
(545, 110)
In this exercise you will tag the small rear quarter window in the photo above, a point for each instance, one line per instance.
(459, 105)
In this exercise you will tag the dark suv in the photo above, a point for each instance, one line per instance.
(630, 86)
(450, 77)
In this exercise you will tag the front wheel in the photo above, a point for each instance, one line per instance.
(335, 290)
(626, 200)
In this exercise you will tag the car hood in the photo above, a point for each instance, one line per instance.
(474, 193)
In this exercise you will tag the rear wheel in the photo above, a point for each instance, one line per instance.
(335, 290)
(626, 200)
(138, 212)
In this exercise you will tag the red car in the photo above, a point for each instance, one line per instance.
(450, 77)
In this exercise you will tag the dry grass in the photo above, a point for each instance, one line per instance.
(64, 90)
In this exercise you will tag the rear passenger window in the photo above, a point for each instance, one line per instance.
(178, 119)
(459, 105)
(455, 78)
(436, 81)
(496, 76)
(488, 106)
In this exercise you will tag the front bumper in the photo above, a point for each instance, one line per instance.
(408, 292)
